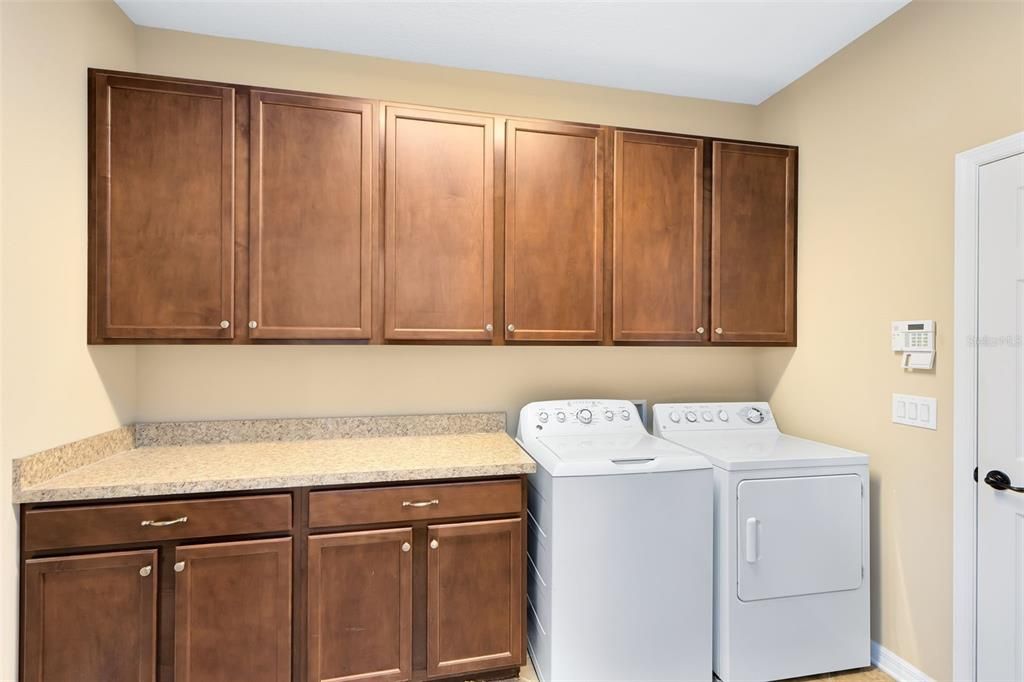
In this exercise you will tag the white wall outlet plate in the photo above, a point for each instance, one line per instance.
(914, 410)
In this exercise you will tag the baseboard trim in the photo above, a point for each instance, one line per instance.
(894, 666)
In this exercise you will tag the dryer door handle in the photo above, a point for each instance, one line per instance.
(753, 540)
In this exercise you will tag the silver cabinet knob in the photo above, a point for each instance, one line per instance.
(489, 328)
(224, 324)
(252, 324)
(700, 330)
(718, 330)
(406, 546)
(511, 327)
(433, 544)
(145, 571)
(179, 567)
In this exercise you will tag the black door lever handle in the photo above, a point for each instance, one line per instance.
(1000, 481)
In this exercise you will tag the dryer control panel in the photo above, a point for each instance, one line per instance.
(713, 417)
(577, 417)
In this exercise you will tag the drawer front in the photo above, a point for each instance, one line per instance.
(332, 508)
(116, 524)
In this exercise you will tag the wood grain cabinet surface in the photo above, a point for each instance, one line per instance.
(753, 262)
(439, 225)
(554, 232)
(310, 216)
(237, 214)
(90, 617)
(658, 238)
(162, 218)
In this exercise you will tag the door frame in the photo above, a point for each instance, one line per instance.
(965, 398)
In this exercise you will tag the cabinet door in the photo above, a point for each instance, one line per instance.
(474, 597)
(162, 215)
(90, 617)
(311, 213)
(232, 610)
(753, 244)
(439, 225)
(554, 225)
(658, 238)
(360, 606)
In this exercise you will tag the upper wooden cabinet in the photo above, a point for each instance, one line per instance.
(90, 617)
(753, 249)
(439, 225)
(310, 216)
(658, 238)
(554, 231)
(162, 209)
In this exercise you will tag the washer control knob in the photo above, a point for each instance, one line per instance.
(543, 417)
(585, 416)
(707, 416)
(560, 416)
(691, 416)
(609, 415)
(723, 415)
(674, 416)
(626, 415)
(755, 415)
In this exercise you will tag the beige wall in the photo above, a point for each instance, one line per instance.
(54, 388)
(189, 382)
(878, 126)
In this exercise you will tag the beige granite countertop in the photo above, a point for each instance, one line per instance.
(181, 469)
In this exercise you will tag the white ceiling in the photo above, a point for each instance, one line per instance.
(716, 49)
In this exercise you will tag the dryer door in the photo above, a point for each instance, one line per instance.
(799, 536)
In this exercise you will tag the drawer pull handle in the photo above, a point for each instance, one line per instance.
(160, 524)
(426, 503)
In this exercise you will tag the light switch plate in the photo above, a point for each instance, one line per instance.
(914, 410)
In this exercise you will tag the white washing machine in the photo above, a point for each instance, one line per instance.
(791, 543)
(619, 555)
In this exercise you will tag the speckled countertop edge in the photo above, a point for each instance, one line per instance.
(294, 453)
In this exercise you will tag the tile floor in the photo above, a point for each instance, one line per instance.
(864, 675)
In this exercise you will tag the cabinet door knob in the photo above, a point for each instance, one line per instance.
(489, 327)
(433, 544)
(224, 324)
(252, 324)
(406, 546)
(160, 524)
(511, 327)
(718, 330)
(700, 330)
(179, 566)
(145, 571)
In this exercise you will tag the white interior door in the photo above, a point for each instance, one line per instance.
(1000, 414)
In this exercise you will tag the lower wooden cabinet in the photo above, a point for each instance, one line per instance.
(90, 617)
(232, 608)
(474, 596)
(360, 606)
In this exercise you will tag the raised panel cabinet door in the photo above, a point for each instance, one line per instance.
(474, 597)
(162, 209)
(360, 606)
(658, 238)
(554, 232)
(90, 617)
(232, 612)
(753, 244)
(439, 225)
(310, 216)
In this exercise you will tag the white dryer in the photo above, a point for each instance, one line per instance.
(619, 552)
(791, 543)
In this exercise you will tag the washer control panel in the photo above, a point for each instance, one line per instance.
(712, 417)
(553, 417)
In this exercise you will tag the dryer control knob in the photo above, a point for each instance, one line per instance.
(723, 415)
(585, 416)
(691, 417)
(755, 415)
(560, 416)
(625, 415)
(674, 416)
(707, 416)
(543, 417)
(609, 415)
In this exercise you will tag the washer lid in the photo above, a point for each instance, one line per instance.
(612, 454)
(737, 451)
